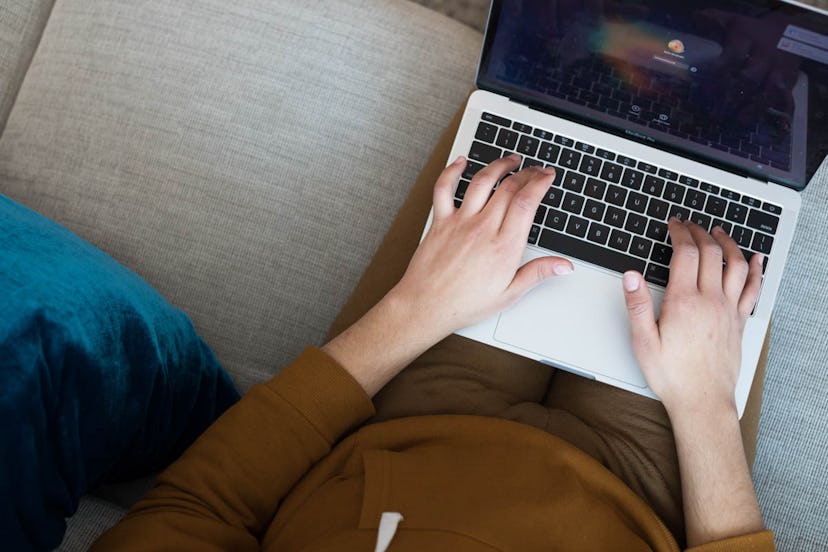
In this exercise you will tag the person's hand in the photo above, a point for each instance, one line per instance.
(468, 267)
(691, 356)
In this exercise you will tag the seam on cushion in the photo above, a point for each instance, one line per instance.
(25, 67)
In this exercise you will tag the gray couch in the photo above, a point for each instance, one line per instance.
(246, 157)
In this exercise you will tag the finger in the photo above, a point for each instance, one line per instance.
(710, 259)
(754, 284)
(481, 185)
(536, 271)
(521, 210)
(643, 328)
(684, 266)
(499, 203)
(736, 267)
(445, 187)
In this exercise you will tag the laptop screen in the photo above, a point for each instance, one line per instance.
(742, 85)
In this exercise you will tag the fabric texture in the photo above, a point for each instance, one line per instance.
(245, 157)
(270, 475)
(21, 24)
(100, 378)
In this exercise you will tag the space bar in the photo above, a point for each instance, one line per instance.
(585, 251)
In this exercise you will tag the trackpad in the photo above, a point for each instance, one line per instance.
(577, 321)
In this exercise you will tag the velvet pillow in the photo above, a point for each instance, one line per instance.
(101, 379)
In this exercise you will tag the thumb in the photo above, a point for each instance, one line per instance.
(536, 271)
(640, 311)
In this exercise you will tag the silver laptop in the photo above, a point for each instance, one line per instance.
(647, 109)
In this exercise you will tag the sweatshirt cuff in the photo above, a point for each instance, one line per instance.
(761, 541)
(324, 393)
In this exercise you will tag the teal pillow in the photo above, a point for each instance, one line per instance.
(101, 379)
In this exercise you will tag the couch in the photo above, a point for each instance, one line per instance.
(246, 157)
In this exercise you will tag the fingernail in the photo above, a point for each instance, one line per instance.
(514, 157)
(760, 258)
(631, 281)
(562, 269)
(459, 160)
(548, 170)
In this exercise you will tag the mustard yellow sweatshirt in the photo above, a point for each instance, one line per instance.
(284, 470)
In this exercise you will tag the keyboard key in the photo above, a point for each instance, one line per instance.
(715, 206)
(502, 121)
(751, 202)
(657, 230)
(687, 181)
(695, 199)
(594, 210)
(534, 232)
(616, 195)
(598, 233)
(632, 179)
(553, 197)
(462, 186)
(742, 236)
(611, 172)
(540, 214)
(543, 134)
(486, 132)
(731, 195)
(559, 175)
(749, 255)
(586, 148)
(736, 212)
(483, 152)
(520, 127)
(679, 212)
(658, 209)
(590, 165)
(589, 252)
(709, 188)
(762, 243)
(653, 185)
(771, 208)
(700, 219)
(619, 240)
(548, 152)
(595, 188)
(555, 219)
(569, 159)
(637, 202)
(669, 175)
(458, 203)
(530, 162)
(604, 154)
(627, 161)
(662, 253)
(528, 146)
(507, 139)
(472, 169)
(723, 224)
(577, 226)
(636, 223)
(657, 274)
(646, 167)
(564, 141)
(573, 203)
(615, 216)
(641, 247)
(674, 192)
(574, 181)
(763, 221)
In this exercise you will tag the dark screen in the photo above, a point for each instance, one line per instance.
(740, 85)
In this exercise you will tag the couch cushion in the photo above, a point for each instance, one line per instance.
(21, 24)
(244, 156)
(94, 516)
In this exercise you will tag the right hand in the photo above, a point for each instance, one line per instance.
(691, 355)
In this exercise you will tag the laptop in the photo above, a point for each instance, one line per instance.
(712, 111)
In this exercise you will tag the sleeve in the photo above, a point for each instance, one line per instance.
(225, 489)
(761, 541)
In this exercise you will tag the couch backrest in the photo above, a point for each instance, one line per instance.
(21, 24)
(244, 156)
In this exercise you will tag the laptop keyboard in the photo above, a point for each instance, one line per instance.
(612, 210)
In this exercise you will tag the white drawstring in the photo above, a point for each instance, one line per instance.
(387, 530)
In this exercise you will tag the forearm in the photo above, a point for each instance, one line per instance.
(718, 494)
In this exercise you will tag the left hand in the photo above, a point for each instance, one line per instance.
(468, 267)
